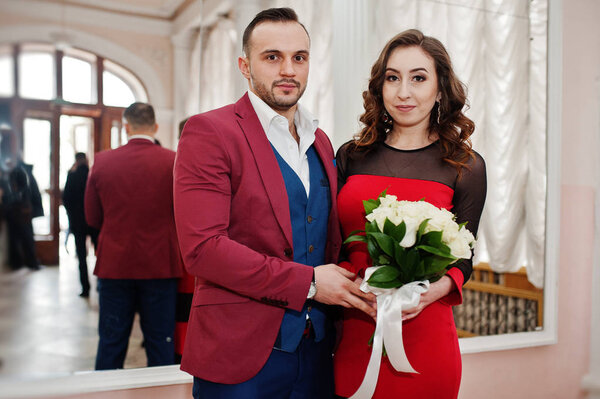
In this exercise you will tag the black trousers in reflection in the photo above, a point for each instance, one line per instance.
(81, 251)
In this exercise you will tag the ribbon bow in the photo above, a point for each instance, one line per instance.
(390, 302)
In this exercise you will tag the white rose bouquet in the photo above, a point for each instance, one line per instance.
(411, 243)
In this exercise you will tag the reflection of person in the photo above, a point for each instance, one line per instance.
(129, 197)
(415, 142)
(22, 203)
(72, 197)
(254, 185)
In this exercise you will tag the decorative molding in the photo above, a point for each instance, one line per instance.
(65, 14)
(96, 44)
(190, 18)
(94, 381)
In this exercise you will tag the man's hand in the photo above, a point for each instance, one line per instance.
(335, 287)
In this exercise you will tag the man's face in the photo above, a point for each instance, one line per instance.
(277, 66)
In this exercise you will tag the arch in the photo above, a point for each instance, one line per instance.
(96, 44)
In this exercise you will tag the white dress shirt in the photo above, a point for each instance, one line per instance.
(278, 133)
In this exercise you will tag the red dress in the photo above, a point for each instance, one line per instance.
(430, 339)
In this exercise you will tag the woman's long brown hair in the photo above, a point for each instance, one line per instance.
(454, 128)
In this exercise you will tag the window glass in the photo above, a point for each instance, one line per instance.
(7, 78)
(115, 91)
(77, 80)
(36, 75)
(37, 152)
(121, 87)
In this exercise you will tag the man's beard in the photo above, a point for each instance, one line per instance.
(269, 97)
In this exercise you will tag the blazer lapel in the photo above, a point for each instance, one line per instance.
(267, 164)
(321, 146)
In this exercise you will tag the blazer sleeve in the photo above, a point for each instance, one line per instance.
(92, 205)
(202, 196)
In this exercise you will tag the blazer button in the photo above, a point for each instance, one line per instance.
(309, 219)
(288, 252)
(311, 249)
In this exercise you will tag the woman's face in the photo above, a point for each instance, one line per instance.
(410, 88)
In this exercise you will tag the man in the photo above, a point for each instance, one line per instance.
(73, 195)
(129, 198)
(255, 189)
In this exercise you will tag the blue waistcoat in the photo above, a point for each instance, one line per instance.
(309, 217)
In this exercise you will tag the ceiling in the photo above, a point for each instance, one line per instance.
(164, 9)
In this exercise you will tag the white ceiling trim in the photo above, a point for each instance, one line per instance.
(166, 10)
(60, 14)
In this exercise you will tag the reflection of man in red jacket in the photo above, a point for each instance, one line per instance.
(129, 197)
(233, 186)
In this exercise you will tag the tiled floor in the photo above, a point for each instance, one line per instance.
(46, 328)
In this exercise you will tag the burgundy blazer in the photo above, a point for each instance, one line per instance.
(129, 197)
(235, 234)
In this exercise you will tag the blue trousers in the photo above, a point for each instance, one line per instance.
(306, 373)
(119, 301)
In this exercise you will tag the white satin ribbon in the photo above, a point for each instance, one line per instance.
(390, 302)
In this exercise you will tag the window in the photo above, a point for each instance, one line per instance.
(36, 72)
(121, 87)
(7, 79)
(78, 77)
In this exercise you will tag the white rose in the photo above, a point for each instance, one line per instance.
(379, 214)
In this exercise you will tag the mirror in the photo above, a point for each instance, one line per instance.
(494, 48)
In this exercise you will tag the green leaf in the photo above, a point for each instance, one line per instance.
(420, 270)
(371, 204)
(383, 193)
(354, 238)
(461, 225)
(383, 260)
(385, 242)
(384, 274)
(372, 248)
(388, 284)
(388, 227)
(400, 260)
(432, 239)
(371, 227)
(435, 251)
(354, 232)
(399, 231)
(412, 262)
(421, 230)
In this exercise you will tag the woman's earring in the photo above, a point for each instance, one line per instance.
(439, 105)
(387, 121)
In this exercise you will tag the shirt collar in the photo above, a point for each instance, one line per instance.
(141, 136)
(306, 123)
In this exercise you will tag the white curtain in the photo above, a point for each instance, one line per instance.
(498, 48)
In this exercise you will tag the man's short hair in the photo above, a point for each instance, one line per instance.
(140, 115)
(284, 14)
(80, 156)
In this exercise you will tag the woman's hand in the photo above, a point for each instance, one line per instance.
(437, 290)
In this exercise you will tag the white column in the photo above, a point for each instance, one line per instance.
(352, 60)
(243, 13)
(182, 48)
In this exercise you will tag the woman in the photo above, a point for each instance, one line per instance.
(415, 142)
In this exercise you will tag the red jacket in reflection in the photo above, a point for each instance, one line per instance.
(129, 197)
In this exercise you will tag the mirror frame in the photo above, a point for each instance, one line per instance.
(96, 381)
